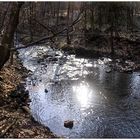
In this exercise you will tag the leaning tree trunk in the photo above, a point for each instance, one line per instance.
(8, 36)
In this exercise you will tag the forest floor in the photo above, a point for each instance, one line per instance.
(15, 119)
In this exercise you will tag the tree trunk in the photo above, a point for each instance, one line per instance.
(68, 14)
(9, 33)
(85, 24)
(4, 16)
(57, 14)
(30, 21)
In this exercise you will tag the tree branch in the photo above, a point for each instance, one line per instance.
(45, 27)
(52, 36)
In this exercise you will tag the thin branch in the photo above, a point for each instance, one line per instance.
(52, 36)
(8, 127)
(45, 27)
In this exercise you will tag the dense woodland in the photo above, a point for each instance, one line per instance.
(36, 22)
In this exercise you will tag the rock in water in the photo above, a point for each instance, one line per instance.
(108, 70)
(68, 124)
(46, 91)
(1, 79)
(54, 59)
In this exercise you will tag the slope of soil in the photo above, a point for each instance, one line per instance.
(15, 119)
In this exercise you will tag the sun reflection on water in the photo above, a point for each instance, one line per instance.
(83, 94)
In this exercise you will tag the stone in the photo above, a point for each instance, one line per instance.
(33, 84)
(129, 70)
(26, 93)
(108, 70)
(46, 91)
(1, 79)
(54, 59)
(38, 61)
(29, 100)
(118, 60)
(23, 82)
(135, 97)
(68, 124)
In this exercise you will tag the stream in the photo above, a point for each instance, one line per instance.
(63, 87)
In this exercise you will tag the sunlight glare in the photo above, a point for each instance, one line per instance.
(83, 94)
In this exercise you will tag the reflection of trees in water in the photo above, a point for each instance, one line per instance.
(113, 83)
(103, 117)
(60, 91)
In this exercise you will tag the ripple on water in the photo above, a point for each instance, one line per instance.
(81, 90)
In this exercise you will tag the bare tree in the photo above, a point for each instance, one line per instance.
(8, 36)
(68, 15)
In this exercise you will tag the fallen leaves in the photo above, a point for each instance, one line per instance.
(14, 122)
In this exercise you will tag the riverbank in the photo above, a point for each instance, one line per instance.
(64, 87)
(126, 56)
(16, 120)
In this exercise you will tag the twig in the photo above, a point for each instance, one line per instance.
(2, 135)
(45, 27)
(4, 106)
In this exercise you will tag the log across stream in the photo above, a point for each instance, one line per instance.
(101, 104)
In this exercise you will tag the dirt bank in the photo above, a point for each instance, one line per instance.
(126, 56)
(15, 119)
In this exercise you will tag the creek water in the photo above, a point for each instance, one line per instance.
(63, 87)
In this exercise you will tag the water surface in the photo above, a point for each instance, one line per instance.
(68, 88)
